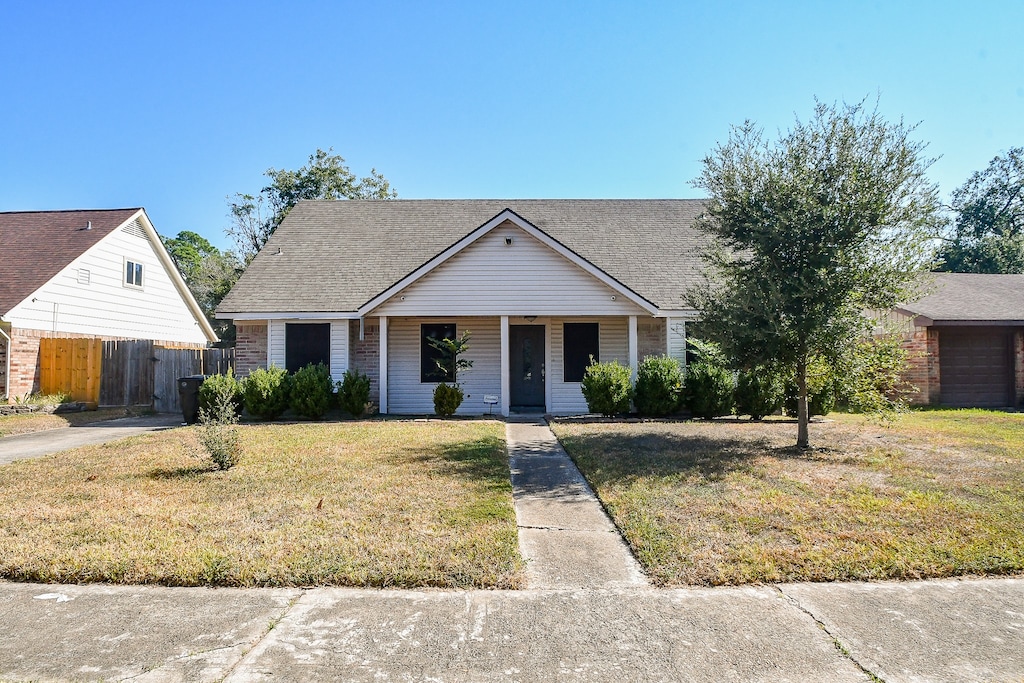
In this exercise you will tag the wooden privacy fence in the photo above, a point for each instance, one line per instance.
(71, 366)
(133, 372)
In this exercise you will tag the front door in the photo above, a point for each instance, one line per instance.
(526, 367)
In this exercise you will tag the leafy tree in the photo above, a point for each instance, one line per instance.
(209, 273)
(255, 217)
(812, 232)
(988, 231)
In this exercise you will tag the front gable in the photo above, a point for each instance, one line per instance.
(508, 267)
(508, 271)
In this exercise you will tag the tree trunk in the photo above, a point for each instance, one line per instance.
(802, 437)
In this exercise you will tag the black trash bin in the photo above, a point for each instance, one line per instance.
(188, 390)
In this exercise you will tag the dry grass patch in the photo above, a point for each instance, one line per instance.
(37, 422)
(937, 493)
(410, 504)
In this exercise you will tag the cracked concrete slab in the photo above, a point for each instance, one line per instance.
(152, 634)
(744, 634)
(948, 630)
(564, 534)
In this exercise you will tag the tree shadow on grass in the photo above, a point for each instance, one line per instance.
(607, 457)
(479, 459)
(191, 472)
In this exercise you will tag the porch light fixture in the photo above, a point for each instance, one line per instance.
(531, 318)
(508, 240)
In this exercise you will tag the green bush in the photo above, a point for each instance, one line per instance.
(606, 387)
(759, 392)
(354, 393)
(447, 399)
(821, 390)
(311, 391)
(266, 392)
(218, 428)
(659, 386)
(709, 384)
(217, 385)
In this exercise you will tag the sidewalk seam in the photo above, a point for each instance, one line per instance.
(275, 622)
(839, 645)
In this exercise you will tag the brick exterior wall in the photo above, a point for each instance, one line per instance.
(922, 346)
(250, 347)
(3, 367)
(364, 355)
(651, 339)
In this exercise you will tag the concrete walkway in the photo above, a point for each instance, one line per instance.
(37, 444)
(971, 630)
(564, 534)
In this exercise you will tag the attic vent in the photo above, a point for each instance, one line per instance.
(134, 229)
(83, 276)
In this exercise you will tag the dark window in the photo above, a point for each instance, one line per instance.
(133, 274)
(306, 343)
(580, 343)
(429, 356)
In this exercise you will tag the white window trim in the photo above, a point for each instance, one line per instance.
(124, 273)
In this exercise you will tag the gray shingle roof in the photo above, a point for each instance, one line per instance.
(337, 255)
(969, 297)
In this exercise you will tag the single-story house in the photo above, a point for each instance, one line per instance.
(541, 285)
(90, 273)
(966, 339)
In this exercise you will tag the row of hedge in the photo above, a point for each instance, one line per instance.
(309, 392)
(707, 389)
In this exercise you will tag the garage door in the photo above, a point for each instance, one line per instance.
(976, 367)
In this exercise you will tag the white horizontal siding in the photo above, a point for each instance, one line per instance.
(613, 340)
(101, 305)
(677, 339)
(339, 357)
(408, 396)
(491, 278)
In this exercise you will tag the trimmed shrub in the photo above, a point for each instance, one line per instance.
(311, 391)
(606, 387)
(659, 385)
(217, 385)
(709, 384)
(218, 426)
(354, 393)
(266, 392)
(759, 392)
(447, 399)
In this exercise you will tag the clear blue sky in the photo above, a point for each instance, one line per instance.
(174, 106)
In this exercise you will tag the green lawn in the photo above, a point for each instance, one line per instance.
(404, 504)
(937, 493)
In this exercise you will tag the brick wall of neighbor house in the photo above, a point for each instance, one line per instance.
(650, 337)
(3, 366)
(922, 346)
(365, 353)
(250, 347)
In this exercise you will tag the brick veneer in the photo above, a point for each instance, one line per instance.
(922, 346)
(250, 347)
(1018, 360)
(3, 366)
(364, 354)
(651, 339)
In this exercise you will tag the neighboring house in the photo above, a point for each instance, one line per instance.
(966, 339)
(542, 286)
(101, 274)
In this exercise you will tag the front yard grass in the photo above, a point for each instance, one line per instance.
(936, 494)
(37, 422)
(389, 504)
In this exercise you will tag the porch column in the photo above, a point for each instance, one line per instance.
(383, 372)
(632, 345)
(505, 399)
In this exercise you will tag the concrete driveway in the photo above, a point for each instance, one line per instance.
(38, 444)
